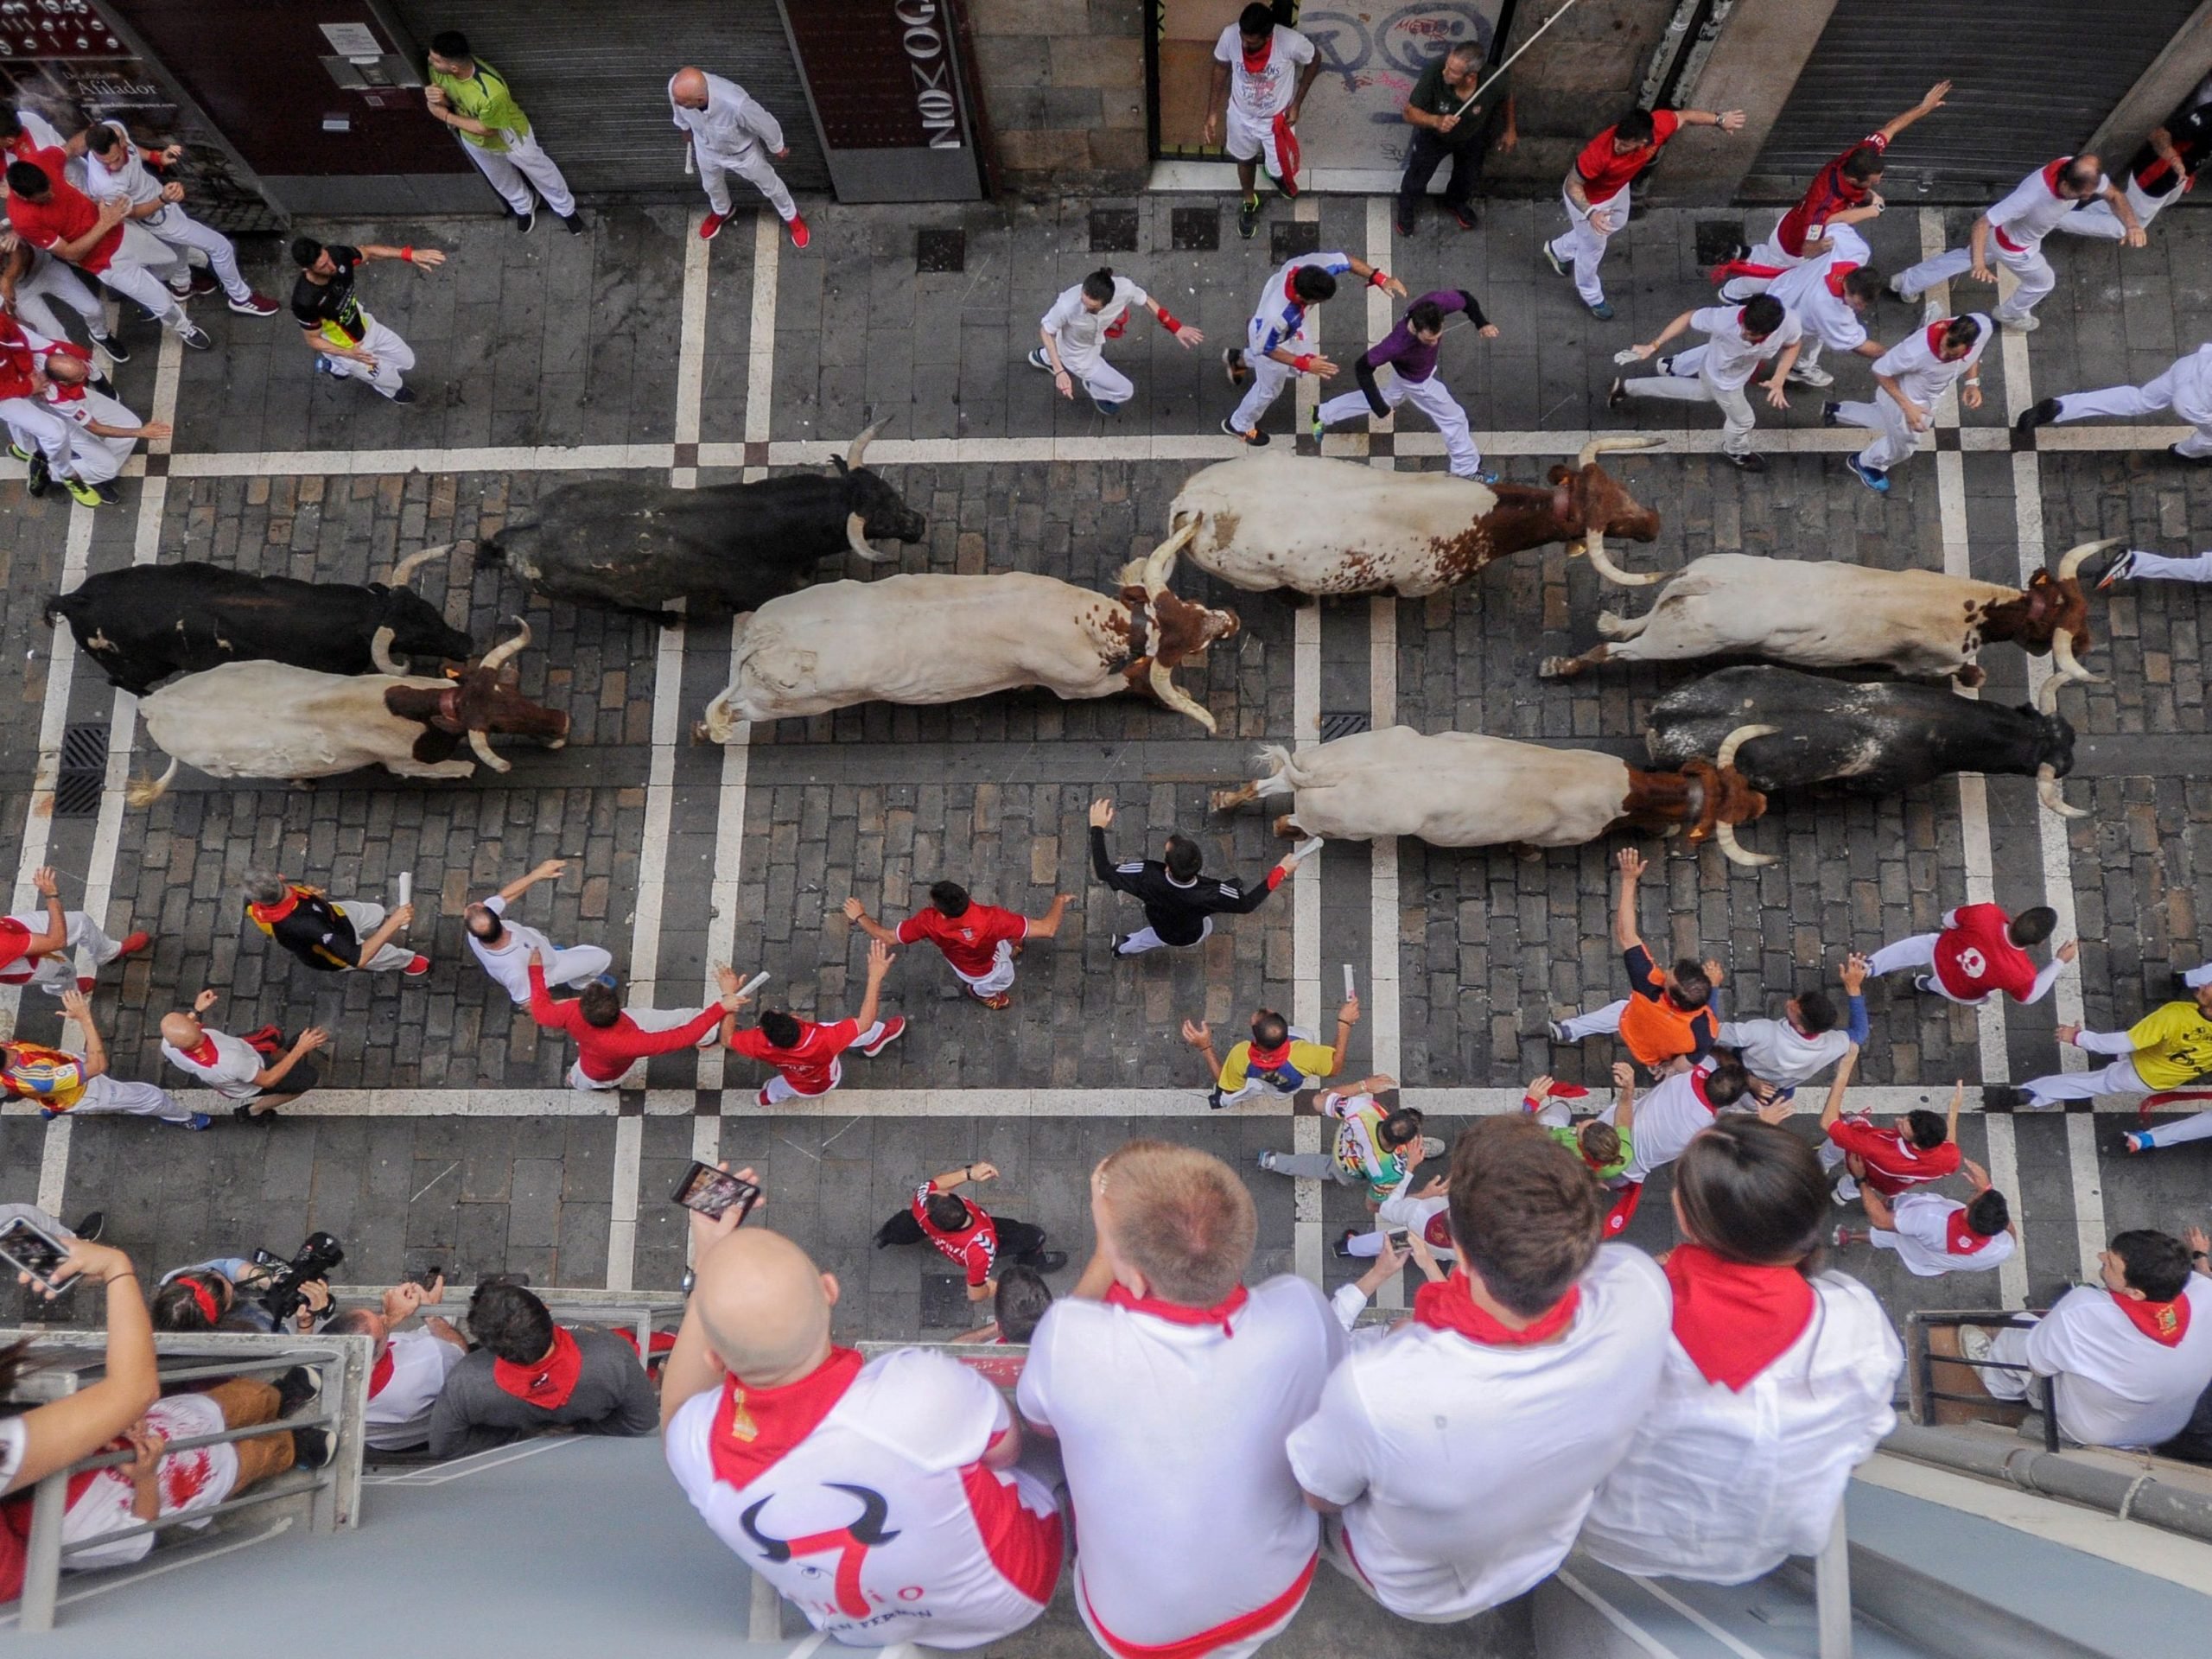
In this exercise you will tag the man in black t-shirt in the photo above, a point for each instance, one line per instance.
(1450, 121)
(2158, 174)
(1179, 901)
(327, 937)
(348, 341)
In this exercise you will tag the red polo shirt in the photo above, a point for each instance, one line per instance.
(65, 214)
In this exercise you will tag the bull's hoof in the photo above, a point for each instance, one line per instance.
(1228, 800)
(699, 733)
(1971, 677)
(1558, 668)
(1285, 827)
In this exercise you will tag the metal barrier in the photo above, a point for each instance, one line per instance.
(639, 1311)
(1921, 1360)
(63, 1362)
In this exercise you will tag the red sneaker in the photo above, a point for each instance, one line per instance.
(893, 1029)
(255, 305)
(997, 1003)
(710, 226)
(133, 944)
(84, 984)
(417, 967)
(800, 235)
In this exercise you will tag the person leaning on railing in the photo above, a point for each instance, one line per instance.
(37, 1442)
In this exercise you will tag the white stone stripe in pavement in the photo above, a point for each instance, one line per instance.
(622, 1210)
(691, 346)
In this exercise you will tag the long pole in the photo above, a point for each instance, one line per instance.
(1517, 51)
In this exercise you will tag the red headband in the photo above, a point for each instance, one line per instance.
(205, 1299)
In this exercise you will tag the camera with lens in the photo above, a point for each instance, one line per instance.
(314, 1261)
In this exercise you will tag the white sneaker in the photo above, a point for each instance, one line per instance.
(2026, 322)
(1810, 374)
(1976, 1342)
(1898, 287)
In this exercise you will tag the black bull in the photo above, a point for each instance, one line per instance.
(143, 623)
(626, 545)
(1880, 739)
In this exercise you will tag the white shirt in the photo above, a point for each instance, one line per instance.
(133, 180)
(1731, 360)
(399, 1413)
(1259, 99)
(238, 1063)
(1804, 290)
(1776, 1052)
(1173, 1436)
(508, 962)
(82, 411)
(2116, 1387)
(189, 1481)
(1665, 1119)
(910, 1429)
(2192, 384)
(1464, 1469)
(1081, 332)
(1912, 363)
(732, 127)
(1721, 1485)
(2035, 209)
(1922, 1237)
(15, 1440)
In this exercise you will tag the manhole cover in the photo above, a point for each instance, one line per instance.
(940, 250)
(1195, 230)
(1113, 230)
(1345, 725)
(1717, 240)
(1287, 239)
(83, 771)
(946, 1305)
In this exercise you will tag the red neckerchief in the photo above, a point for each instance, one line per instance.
(1935, 331)
(548, 1382)
(380, 1376)
(2050, 173)
(1256, 62)
(1734, 1320)
(1698, 1074)
(753, 1428)
(266, 914)
(1836, 274)
(1221, 1313)
(1450, 1305)
(207, 1053)
(2165, 1323)
(61, 391)
(1961, 1239)
(1267, 1059)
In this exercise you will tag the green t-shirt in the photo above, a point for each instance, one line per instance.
(484, 97)
(1433, 97)
(1569, 1135)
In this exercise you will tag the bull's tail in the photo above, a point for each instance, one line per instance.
(53, 608)
(1284, 773)
(144, 792)
(1612, 626)
(491, 549)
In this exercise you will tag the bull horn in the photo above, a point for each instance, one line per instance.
(490, 756)
(1173, 697)
(413, 562)
(1594, 545)
(856, 538)
(501, 654)
(1725, 833)
(2070, 564)
(380, 654)
(859, 446)
(1154, 570)
(2047, 793)
(144, 792)
(2062, 652)
(1597, 447)
(2047, 699)
(1735, 740)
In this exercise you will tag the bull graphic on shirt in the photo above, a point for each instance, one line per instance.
(851, 1542)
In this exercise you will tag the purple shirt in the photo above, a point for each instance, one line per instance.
(1415, 359)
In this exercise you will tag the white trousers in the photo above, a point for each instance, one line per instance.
(1769, 252)
(50, 278)
(35, 426)
(523, 165)
(2121, 1077)
(1894, 441)
(999, 979)
(1584, 244)
(574, 964)
(139, 270)
(394, 358)
(1686, 382)
(366, 917)
(2172, 1135)
(105, 1094)
(2127, 402)
(755, 169)
(1145, 939)
(178, 229)
(2010, 1346)
(97, 460)
(1598, 1022)
(2157, 567)
(1247, 140)
(1105, 383)
(1918, 951)
(57, 973)
(2097, 218)
(1268, 379)
(1433, 398)
(2029, 265)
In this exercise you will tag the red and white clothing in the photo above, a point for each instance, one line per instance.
(56, 972)
(2186, 388)
(135, 182)
(810, 1066)
(1812, 293)
(1892, 1163)
(1261, 88)
(734, 134)
(1195, 1542)
(1427, 1216)
(1667, 1118)
(1080, 335)
(404, 1383)
(99, 1500)
(978, 944)
(1972, 959)
(2128, 1373)
(605, 1054)
(859, 1492)
(1832, 192)
(1923, 376)
(1605, 177)
(1932, 1238)
(34, 426)
(226, 1064)
(2018, 226)
(1717, 372)
(1465, 1454)
(129, 259)
(1773, 1388)
(974, 1248)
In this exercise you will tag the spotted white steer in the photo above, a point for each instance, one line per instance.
(1274, 520)
(940, 639)
(1461, 789)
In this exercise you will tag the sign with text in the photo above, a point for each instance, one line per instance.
(883, 77)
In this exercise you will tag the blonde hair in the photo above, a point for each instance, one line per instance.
(1180, 1218)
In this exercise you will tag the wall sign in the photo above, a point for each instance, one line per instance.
(883, 77)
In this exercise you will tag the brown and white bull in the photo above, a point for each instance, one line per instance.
(271, 720)
(939, 638)
(1320, 526)
(1819, 613)
(1461, 789)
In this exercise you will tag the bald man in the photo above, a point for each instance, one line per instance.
(256, 1070)
(729, 132)
(879, 1496)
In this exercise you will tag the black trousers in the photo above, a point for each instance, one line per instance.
(1018, 1240)
(1428, 153)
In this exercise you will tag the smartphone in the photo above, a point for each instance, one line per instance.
(713, 1192)
(1397, 1238)
(28, 1249)
(428, 1277)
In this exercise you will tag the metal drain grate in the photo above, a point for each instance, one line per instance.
(1344, 724)
(1287, 239)
(1195, 230)
(1717, 240)
(1113, 230)
(940, 250)
(946, 1305)
(83, 771)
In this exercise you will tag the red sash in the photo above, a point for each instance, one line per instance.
(1286, 152)
(1221, 1313)
(549, 1382)
(1623, 1210)
(1230, 1632)
(2165, 1323)
(1735, 1320)
(1450, 1306)
(380, 1376)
